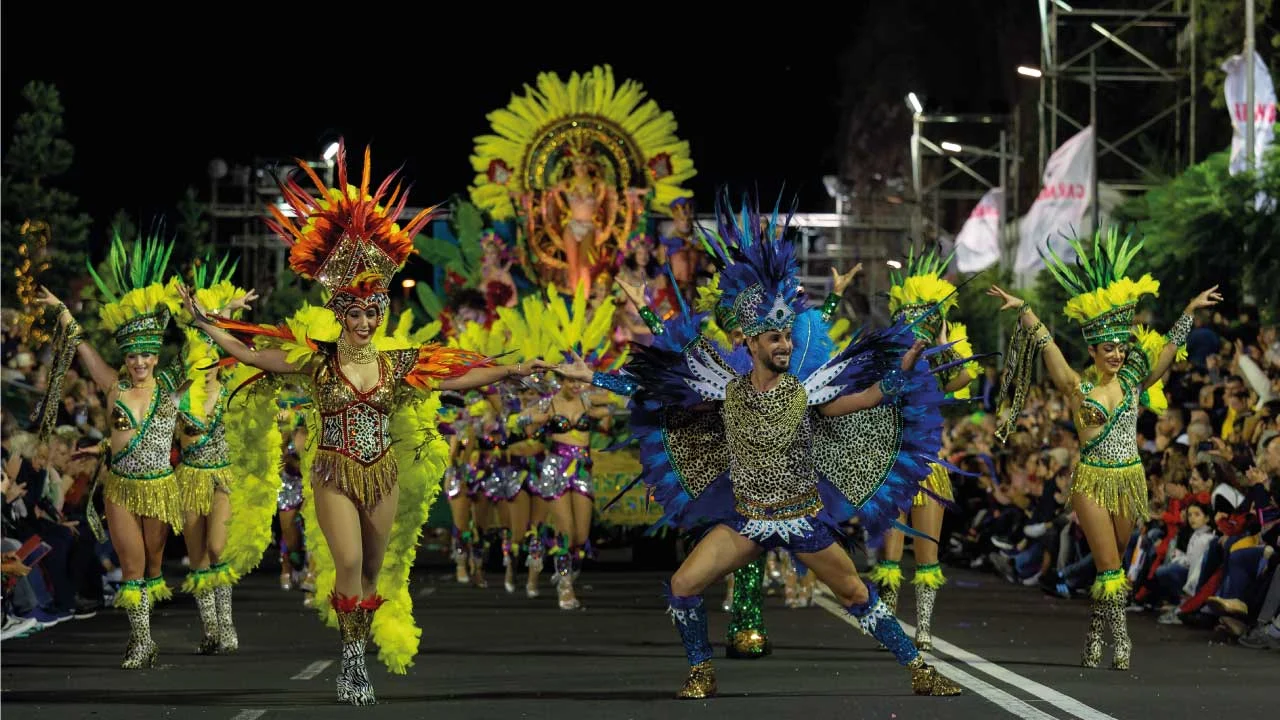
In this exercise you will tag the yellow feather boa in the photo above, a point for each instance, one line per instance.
(959, 334)
(256, 449)
(1152, 344)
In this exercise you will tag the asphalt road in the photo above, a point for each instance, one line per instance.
(487, 654)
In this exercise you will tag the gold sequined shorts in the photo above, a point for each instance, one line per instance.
(365, 485)
(1122, 491)
(153, 498)
(938, 482)
(197, 485)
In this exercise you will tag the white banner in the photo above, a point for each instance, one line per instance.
(1059, 211)
(1264, 112)
(978, 244)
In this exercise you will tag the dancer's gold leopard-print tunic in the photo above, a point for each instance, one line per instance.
(140, 477)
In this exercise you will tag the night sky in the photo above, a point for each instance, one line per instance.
(151, 99)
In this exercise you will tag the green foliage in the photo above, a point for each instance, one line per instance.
(1202, 229)
(463, 258)
(430, 300)
(193, 229)
(977, 311)
(289, 294)
(36, 157)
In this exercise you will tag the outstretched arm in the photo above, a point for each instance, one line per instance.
(1055, 362)
(1178, 335)
(890, 385)
(839, 282)
(481, 376)
(269, 359)
(103, 374)
(618, 383)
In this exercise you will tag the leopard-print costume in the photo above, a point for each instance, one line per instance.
(140, 478)
(695, 445)
(770, 438)
(855, 452)
(353, 455)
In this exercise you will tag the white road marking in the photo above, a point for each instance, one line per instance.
(990, 692)
(312, 670)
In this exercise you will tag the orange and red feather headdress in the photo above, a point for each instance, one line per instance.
(347, 239)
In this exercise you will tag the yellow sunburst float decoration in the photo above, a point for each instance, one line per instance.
(535, 135)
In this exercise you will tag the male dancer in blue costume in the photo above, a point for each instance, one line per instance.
(779, 442)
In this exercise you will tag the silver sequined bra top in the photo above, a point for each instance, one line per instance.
(770, 438)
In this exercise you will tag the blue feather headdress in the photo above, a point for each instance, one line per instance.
(760, 280)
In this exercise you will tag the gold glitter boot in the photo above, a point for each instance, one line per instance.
(926, 680)
(700, 684)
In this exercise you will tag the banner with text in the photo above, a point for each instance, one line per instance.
(1264, 113)
(1059, 210)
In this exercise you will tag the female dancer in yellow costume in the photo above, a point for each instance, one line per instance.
(140, 490)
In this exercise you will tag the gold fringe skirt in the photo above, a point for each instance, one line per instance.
(153, 498)
(938, 482)
(197, 485)
(1121, 490)
(365, 485)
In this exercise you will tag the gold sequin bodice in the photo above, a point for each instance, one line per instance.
(353, 423)
(770, 438)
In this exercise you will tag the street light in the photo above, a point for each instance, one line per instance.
(408, 283)
(1030, 72)
(913, 102)
(951, 146)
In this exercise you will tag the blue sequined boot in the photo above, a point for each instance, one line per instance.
(876, 620)
(690, 618)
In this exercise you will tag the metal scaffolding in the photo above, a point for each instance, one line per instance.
(1145, 49)
(955, 160)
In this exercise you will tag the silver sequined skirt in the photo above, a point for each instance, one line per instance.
(502, 483)
(566, 468)
(290, 495)
(459, 480)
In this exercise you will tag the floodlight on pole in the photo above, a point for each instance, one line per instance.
(913, 102)
(951, 146)
(1031, 72)
(331, 151)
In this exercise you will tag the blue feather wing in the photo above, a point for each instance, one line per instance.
(678, 425)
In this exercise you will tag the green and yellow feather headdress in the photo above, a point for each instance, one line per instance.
(214, 291)
(1104, 301)
(138, 304)
(918, 289)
